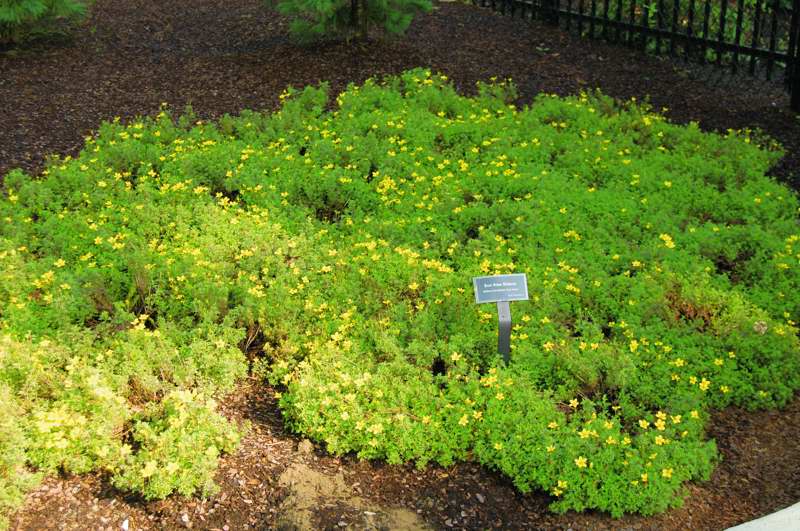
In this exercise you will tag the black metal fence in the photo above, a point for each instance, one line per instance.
(757, 37)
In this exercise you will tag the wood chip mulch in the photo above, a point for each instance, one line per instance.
(222, 57)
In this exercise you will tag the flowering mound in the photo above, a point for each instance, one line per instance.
(336, 247)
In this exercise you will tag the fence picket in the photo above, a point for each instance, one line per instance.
(687, 49)
(773, 36)
(569, 18)
(632, 23)
(660, 23)
(738, 35)
(723, 13)
(706, 26)
(676, 7)
(756, 35)
(645, 25)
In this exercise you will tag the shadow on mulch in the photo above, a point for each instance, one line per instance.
(222, 57)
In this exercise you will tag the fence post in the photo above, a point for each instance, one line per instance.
(793, 64)
(795, 88)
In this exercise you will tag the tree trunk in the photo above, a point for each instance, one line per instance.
(363, 21)
(353, 13)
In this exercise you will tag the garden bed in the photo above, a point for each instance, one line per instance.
(259, 481)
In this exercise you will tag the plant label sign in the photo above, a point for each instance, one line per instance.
(502, 289)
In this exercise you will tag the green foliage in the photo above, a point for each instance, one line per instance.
(340, 245)
(15, 478)
(314, 19)
(21, 20)
(179, 440)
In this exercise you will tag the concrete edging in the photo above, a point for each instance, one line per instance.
(783, 520)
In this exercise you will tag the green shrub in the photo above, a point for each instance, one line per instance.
(314, 19)
(179, 440)
(21, 20)
(337, 247)
(15, 478)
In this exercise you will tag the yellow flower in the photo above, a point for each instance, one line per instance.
(666, 472)
(498, 446)
(667, 239)
(644, 424)
(455, 356)
(580, 462)
(463, 420)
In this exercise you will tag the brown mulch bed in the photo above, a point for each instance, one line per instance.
(758, 474)
(222, 57)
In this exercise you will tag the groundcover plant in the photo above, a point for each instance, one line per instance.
(335, 242)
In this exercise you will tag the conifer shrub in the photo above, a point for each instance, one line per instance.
(22, 20)
(315, 19)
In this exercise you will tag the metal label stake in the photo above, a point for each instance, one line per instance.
(502, 289)
(504, 329)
